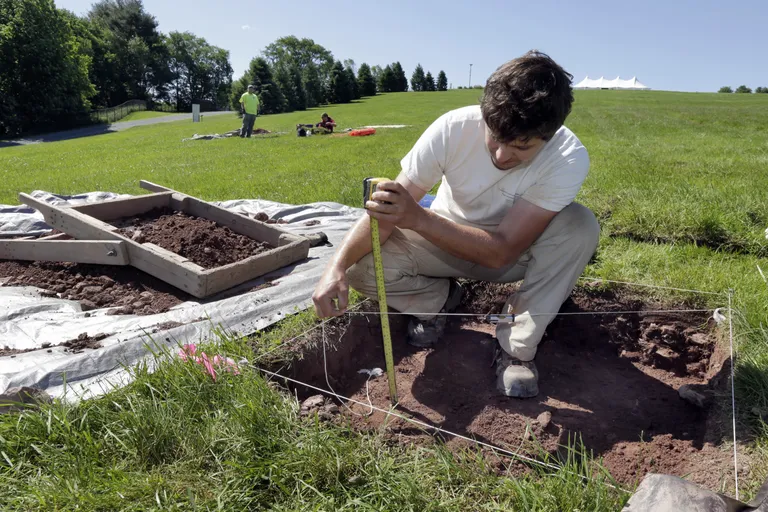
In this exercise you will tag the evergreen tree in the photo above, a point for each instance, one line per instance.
(388, 81)
(340, 90)
(352, 79)
(285, 83)
(313, 86)
(417, 79)
(401, 80)
(442, 81)
(429, 82)
(365, 81)
(271, 98)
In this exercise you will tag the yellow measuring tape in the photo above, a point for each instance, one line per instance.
(369, 187)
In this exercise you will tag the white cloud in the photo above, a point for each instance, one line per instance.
(246, 27)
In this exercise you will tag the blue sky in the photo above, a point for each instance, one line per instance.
(680, 45)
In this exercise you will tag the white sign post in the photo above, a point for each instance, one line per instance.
(195, 113)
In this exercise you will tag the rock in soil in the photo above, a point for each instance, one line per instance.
(312, 404)
(84, 341)
(544, 419)
(200, 240)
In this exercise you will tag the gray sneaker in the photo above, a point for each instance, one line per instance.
(426, 333)
(515, 378)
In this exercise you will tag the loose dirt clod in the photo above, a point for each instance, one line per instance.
(610, 381)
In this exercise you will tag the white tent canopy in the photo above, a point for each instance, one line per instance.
(616, 83)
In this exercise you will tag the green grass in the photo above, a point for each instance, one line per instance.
(176, 440)
(677, 181)
(145, 114)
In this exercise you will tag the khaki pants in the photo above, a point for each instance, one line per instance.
(416, 272)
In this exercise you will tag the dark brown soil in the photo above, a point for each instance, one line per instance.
(610, 380)
(128, 289)
(199, 240)
(83, 342)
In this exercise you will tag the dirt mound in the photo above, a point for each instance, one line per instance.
(128, 289)
(82, 342)
(610, 380)
(201, 241)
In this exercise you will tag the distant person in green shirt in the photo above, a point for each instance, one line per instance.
(249, 103)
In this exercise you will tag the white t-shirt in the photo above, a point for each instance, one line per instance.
(473, 191)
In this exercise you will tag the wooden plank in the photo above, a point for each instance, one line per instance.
(153, 187)
(128, 207)
(187, 277)
(78, 251)
(227, 276)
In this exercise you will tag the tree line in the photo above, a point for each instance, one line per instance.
(296, 74)
(743, 89)
(56, 66)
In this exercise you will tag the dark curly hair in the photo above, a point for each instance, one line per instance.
(527, 97)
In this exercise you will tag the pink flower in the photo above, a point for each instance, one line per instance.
(189, 351)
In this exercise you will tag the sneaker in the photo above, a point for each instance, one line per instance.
(515, 378)
(426, 333)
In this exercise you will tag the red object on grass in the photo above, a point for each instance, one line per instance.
(364, 131)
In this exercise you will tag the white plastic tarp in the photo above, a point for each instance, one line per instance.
(615, 83)
(30, 321)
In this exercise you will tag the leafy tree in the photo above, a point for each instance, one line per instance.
(429, 82)
(400, 79)
(417, 79)
(388, 80)
(743, 89)
(365, 81)
(285, 83)
(313, 86)
(200, 73)
(315, 61)
(140, 55)
(725, 89)
(762, 90)
(44, 81)
(340, 90)
(298, 86)
(442, 81)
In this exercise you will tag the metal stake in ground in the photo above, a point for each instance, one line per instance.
(369, 187)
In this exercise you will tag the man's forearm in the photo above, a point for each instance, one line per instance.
(357, 243)
(468, 243)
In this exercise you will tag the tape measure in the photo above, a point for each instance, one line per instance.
(369, 187)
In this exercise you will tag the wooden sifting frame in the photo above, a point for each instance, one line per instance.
(99, 242)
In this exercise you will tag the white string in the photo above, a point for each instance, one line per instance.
(367, 394)
(433, 427)
(572, 313)
(733, 394)
(650, 286)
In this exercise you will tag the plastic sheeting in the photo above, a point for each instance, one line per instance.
(30, 321)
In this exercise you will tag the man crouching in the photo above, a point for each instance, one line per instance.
(509, 171)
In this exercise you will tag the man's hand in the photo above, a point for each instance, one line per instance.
(402, 209)
(333, 285)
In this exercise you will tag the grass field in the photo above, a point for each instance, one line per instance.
(677, 181)
(144, 114)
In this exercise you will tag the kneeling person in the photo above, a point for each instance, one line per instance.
(509, 171)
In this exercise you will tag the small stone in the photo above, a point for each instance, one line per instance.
(106, 281)
(60, 288)
(262, 217)
(45, 345)
(138, 305)
(695, 395)
(331, 408)
(91, 290)
(544, 419)
(79, 286)
(699, 339)
(146, 295)
(310, 403)
(87, 305)
(325, 415)
(207, 250)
